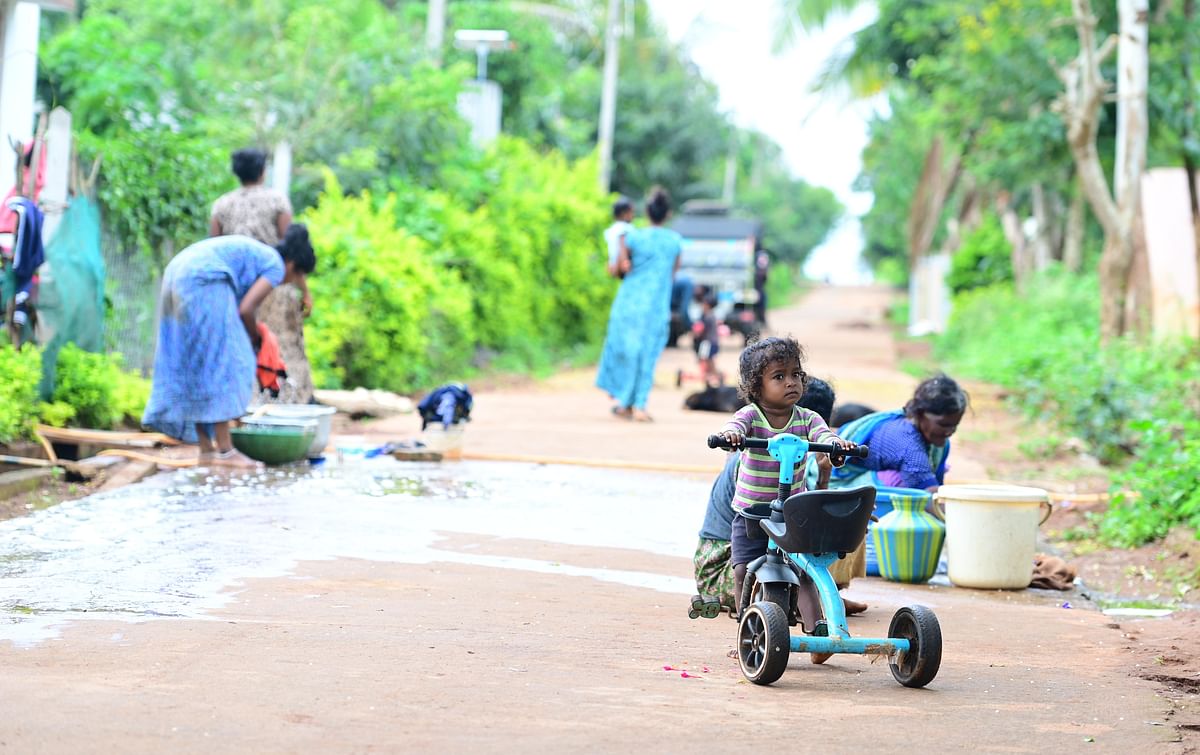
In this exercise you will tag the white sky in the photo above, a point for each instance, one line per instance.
(822, 137)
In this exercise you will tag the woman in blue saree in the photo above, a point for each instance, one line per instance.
(204, 363)
(641, 312)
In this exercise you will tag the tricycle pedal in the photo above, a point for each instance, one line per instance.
(704, 607)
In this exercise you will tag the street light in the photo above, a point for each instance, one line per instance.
(482, 41)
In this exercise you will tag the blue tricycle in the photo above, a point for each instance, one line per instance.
(791, 584)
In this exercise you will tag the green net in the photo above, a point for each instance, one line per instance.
(71, 294)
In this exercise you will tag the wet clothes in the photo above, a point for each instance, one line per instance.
(448, 404)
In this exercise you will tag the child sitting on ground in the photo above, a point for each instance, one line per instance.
(772, 379)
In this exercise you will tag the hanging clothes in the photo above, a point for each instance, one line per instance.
(28, 254)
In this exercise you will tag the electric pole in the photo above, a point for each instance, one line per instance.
(435, 30)
(608, 94)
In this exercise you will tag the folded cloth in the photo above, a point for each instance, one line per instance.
(1052, 573)
(270, 363)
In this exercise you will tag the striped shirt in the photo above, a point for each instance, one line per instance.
(758, 475)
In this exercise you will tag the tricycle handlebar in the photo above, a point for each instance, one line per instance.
(858, 452)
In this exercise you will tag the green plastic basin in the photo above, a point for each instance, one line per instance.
(274, 444)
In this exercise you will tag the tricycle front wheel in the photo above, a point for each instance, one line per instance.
(763, 642)
(917, 666)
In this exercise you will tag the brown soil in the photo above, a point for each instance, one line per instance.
(50, 493)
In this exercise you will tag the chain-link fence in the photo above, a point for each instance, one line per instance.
(132, 291)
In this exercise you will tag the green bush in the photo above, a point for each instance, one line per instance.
(91, 390)
(1161, 487)
(413, 285)
(1129, 402)
(983, 259)
(20, 374)
(387, 316)
(84, 381)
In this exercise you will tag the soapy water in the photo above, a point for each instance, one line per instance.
(175, 545)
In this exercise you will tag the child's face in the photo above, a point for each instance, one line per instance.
(782, 384)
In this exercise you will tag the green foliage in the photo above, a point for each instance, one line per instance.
(414, 283)
(389, 318)
(1161, 488)
(436, 256)
(1123, 400)
(91, 390)
(20, 373)
(984, 258)
(84, 381)
(158, 186)
(56, 413)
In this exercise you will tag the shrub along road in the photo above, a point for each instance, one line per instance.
(514, 643)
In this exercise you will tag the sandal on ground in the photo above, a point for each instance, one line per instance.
(622, 412)
(233, 459)
(641, 416)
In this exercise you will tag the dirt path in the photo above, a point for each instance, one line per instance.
(350, 655)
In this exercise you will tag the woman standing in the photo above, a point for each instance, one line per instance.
(641, 313)
(204, 364)
(262, 213)
(283, 314)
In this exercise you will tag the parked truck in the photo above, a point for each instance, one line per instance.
(720, 252)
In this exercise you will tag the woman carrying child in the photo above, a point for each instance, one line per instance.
(639, 323)
(772, 379)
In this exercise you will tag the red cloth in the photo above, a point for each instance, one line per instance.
(270, 362)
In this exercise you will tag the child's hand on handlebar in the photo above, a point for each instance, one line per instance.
(734, 438)
(838, 459)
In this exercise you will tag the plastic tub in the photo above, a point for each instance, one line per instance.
(991, 534)
(274, 441)
(446, 440)
(321, 413)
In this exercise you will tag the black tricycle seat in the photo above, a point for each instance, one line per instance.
(823, 521)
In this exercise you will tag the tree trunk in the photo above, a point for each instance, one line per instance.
(1189, 116)
(1010, 222)
(1085, 89)
(1133, 65)
(1073, 240)
(1040, 249)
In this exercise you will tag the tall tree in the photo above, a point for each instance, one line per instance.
(1085, 89)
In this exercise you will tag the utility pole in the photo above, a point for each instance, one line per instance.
(608, 94)
(435, 30)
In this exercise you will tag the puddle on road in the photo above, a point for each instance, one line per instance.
(168, 547)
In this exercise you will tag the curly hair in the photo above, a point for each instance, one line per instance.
(297, 248)
(938, 395)
(755, 358)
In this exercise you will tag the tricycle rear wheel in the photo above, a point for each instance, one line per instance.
(917, 666)
(763, 642)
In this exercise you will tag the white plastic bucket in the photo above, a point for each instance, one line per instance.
(991, 533)
(447, 440)
(322, 414)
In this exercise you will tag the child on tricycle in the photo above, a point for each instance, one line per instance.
(783, 544)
